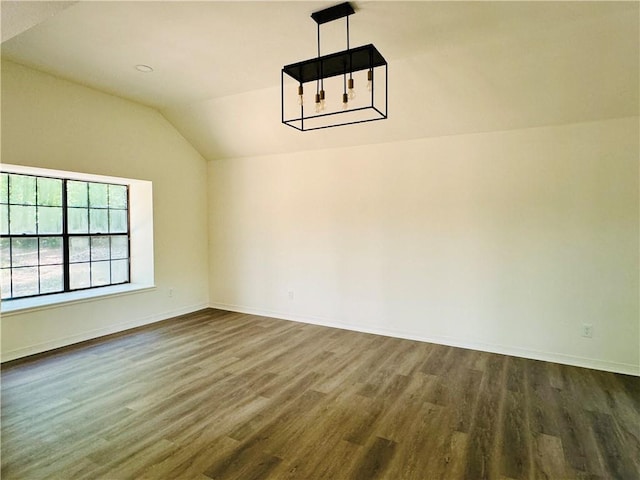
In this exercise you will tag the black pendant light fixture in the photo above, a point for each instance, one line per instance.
(321, 92)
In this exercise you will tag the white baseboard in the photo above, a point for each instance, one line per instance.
(608, 366)
(96, 333)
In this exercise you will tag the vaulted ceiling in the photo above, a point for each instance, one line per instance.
(454, 67)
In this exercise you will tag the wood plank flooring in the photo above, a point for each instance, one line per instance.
(220, 395)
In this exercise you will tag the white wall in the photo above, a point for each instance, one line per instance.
(506, 241)
(51, 123)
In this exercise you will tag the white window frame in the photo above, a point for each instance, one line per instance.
(141, 242)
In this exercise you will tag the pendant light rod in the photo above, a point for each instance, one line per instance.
(347, 32)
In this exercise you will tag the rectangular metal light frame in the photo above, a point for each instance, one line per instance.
(366, 57)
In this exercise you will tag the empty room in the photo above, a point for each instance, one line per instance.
(320, 240)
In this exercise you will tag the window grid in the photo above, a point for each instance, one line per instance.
(103, 261)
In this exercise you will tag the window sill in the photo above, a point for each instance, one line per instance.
(9, 307)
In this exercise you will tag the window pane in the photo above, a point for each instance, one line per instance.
(120, 271)
(31, 205)
(50, 250)
(51, 279)
(99, 248)
(49, 192)
(100, 274)
(4, 219)
(119, 247)
(79, 249)
(4, 188)
(77, 194)
(79, 276)
(24, 252)
(5, 282)
(98, 221)
(25, 281)
(98, 195)
(117, 196)
(22, 219)
(22, 189)
(78, 219)
(49, 220)
(5, 253)
(117, 221)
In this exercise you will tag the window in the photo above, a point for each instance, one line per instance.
(61, 235)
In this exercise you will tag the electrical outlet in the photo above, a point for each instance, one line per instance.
(587, 330)
(171, 292)
(290, 294)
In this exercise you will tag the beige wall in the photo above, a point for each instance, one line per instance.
(51, 123)
(506, 241)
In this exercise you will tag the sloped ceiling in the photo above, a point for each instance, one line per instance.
(454, 67)
(18, 17)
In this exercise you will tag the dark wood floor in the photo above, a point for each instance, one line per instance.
(219, 395)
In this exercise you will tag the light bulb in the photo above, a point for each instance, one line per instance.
(352, 92)
(323, 102)
(370, 80)
(300, 95)
(345, 101)
(318, 104)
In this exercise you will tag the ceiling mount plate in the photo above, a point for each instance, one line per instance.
(333, 13)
